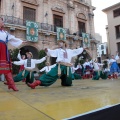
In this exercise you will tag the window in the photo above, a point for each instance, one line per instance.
(29, 14)
(102, 47)
(58, 20)
(116, 12)
(81, 28)
(117, 29)
(118, 47)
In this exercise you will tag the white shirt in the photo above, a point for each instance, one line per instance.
(11, 39)
(59, 53)
(112, 60)
(47, 68)
(97, 66)
(79, 66)
(86, 64)
(73, 69)
(33, 62)
(106, 70)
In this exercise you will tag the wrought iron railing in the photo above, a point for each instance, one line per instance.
(21, 22)
(79, 33)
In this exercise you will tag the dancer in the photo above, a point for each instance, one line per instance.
(5, 63)
(97, 69)
(29, 66)
(79, 70)
(87, 69)
(75, 75)
(21, 57)
(62, 67)
(47, 68)
(114, 68)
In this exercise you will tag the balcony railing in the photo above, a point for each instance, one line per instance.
(21, 22)
(79, 33)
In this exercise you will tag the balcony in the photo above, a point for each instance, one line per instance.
(21, 22)
(79, 33)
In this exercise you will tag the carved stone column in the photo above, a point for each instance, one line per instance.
(71, 18)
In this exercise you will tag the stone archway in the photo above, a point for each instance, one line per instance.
(30, 49)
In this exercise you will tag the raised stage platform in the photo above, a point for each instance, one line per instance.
(57, 102)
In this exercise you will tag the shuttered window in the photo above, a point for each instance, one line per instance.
(29, 14)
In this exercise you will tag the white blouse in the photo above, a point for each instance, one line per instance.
(59, 53)
(11, 39)
(47, 68)
(33, 62)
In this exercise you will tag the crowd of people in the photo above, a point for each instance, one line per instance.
(63, 69)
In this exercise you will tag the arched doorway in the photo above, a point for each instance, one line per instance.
(30, 49)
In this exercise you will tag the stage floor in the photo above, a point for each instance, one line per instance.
(57, 102)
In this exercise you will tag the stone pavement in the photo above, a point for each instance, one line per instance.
(57, 102)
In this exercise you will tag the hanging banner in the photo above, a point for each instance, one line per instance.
(61, 33)
(86, 40)
(31, 31)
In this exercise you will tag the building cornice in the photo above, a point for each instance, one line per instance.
(58, 9)
(83, 3)
(111, 7)
(33, 2)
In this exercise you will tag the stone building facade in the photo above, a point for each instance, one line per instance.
(76, 16)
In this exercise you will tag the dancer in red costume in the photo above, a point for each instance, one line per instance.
(5, 63)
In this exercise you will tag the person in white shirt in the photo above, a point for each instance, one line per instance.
(97, 69)
(5, 63)
(62, 68)
(21, 57)
(47, 68)
(114, 68)
(107, 71)
(75, 75)
(87, 69)
(29, 66)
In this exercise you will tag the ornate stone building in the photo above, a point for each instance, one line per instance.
(76, 16)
